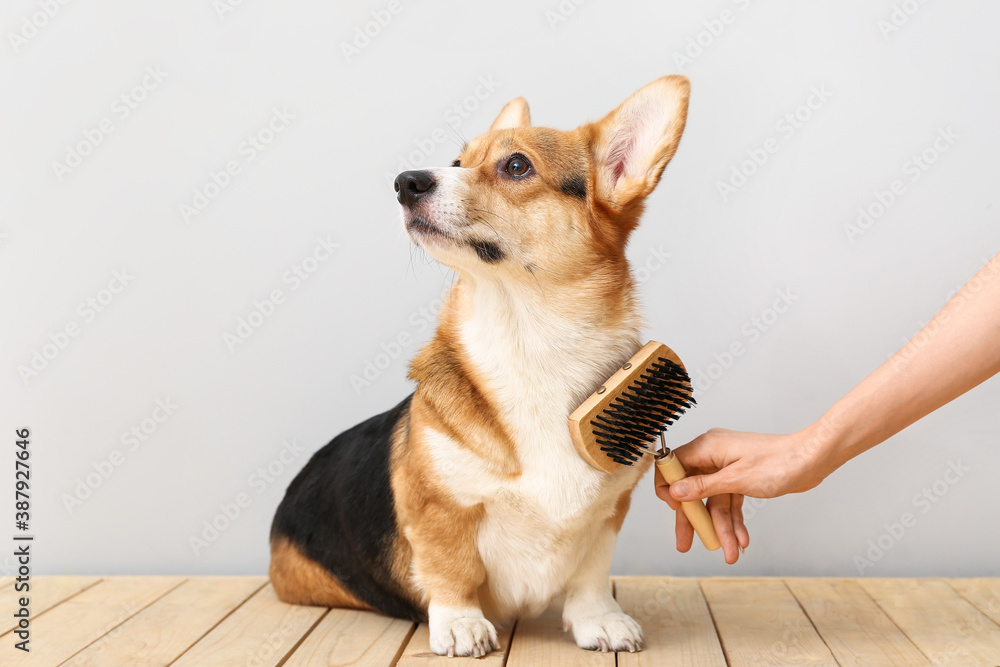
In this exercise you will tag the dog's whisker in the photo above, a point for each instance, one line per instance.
(495, 215)
(461, 138)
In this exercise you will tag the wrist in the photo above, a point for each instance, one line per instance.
(825, 444)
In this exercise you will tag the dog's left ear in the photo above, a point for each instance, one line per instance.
(633, 144)
(514, 114)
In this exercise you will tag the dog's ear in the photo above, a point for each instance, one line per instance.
(514, 114)
(632, 144)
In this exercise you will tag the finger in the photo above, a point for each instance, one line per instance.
(742, 534)
(698, 487)
(684, 532)
(663, 490)
(722, 518)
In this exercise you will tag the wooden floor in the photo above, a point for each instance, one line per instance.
(222, 621)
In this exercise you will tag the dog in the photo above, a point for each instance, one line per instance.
(467, 506)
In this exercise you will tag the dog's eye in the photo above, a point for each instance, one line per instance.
(517, 165)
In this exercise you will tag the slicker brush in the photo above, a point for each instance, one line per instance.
(620, 422)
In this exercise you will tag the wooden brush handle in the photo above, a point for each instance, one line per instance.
(694, 510)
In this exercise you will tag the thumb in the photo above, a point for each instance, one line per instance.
(697, 487)
(706, 452)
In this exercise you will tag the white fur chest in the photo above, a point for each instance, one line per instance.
(537, 529)
(537, 368)
(538, 525)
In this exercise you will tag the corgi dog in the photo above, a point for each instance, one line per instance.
(467, 505)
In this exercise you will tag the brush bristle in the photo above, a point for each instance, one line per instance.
(635, 419)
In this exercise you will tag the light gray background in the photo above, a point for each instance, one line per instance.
(324, 175)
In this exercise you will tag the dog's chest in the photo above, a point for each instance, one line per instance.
(553, 488)
(538, 527)
(539, 524)
(536, 531)
(554, 481)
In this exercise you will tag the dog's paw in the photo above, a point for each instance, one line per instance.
(613, 631)
(461, 632)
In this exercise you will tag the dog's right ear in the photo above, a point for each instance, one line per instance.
(514, 114)
(633, 143)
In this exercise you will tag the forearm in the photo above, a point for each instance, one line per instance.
(958, 349)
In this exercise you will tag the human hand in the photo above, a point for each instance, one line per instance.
(760, 465)
(727, 517)
(724, 465)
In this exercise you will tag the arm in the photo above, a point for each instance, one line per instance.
(954, 352)
(958, 349)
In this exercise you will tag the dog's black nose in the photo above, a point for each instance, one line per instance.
(412, 185)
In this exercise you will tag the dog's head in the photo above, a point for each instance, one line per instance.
(525, 203)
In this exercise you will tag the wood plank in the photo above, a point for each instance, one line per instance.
(418, 652)
(984, 593)
(541, 641)
(45, 593)
(676, 624)
(351, 637)
(261, 633)
(854, 628)
(943, 624)
(161, 632)
(85, 618)
(760, 623)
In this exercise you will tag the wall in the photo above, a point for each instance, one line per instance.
(168, 167)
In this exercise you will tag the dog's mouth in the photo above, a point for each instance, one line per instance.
(422, 227)
(423, 231)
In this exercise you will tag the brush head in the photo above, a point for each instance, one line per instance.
(623, 419)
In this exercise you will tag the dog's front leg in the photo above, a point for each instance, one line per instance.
(598, 623)
(450, 571)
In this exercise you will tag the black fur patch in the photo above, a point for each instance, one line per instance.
(456, 163)
(489, 252)
(339, 512)
(574, 186)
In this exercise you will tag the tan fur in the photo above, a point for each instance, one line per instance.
(514, 114)
(449, 397)
(442, 534)
(297, 579)
(621, 509)
(441, 531)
